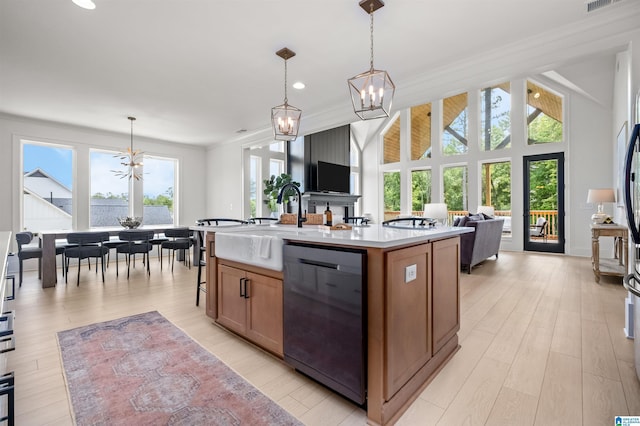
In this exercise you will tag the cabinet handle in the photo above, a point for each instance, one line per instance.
(246, 291)
(242, 288)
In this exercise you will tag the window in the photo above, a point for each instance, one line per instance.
(276, 146)
(47, 187)
(391, 143)
(260, 163)
(496, 185)
(254, 177)
(455, 183)
(544, 115)
(109, 193)
(159, 181)
(276, 167)
(420, 190)
(495, 117)
(391, 194)
(455, 125)
(421, 132)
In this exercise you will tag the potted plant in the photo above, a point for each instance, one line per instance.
(272, 187)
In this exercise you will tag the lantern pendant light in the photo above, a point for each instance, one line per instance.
(371, 91)
(285, 118)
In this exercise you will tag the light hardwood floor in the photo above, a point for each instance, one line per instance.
(542, 344)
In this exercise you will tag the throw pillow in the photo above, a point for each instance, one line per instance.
(456, 222)
(487, 217)
(463, 220)
(476, 217)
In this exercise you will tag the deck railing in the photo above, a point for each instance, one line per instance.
(550, 215)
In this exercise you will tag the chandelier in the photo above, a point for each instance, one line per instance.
(371, 91)
(285, 118)
(131, 160)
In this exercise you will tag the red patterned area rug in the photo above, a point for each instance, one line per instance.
(143, 370)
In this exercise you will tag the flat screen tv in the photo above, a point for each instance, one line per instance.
(332, 177)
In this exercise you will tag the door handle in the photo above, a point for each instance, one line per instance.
(629, 177)
(246, 290)
(242, 287)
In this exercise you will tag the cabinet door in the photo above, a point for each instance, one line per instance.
(264, 319)
(232, 306)
(408, 317)
(446, 300)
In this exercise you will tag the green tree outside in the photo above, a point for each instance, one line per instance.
(165, 199)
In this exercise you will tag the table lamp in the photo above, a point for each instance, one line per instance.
(600, 196)
(488, 210)
(436, 211)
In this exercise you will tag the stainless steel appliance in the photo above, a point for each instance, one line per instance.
(324, 316)
(632, 204)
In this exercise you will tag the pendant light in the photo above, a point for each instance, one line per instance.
(285, 118)
(132, 160)
(371, 91)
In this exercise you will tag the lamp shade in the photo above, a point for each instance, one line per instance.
(599, 196)
(436, 211)
(488, 210)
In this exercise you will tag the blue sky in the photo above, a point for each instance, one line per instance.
(58, 163)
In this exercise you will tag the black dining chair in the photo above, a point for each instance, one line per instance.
(113, 243)
(179, 239)
(86, 245)
(157, 240)
(24, 253)
(136, 241)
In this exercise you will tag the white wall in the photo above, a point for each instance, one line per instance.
(192, 160)
(224, 182)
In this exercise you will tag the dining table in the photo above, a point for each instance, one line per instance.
(48, 243)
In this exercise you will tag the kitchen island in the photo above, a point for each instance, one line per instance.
(412, 303)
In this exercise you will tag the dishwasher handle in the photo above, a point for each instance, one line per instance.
(320, 264)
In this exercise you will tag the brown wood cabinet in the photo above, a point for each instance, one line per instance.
(250, 304)
(446, 291)
(408, 319)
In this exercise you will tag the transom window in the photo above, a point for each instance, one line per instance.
(495, 117)
(391, 143)
(544, 115)
(421, 132)
(455, 126)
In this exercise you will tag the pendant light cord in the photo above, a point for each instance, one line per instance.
(131, 137)
(371, 29)
(285, 82)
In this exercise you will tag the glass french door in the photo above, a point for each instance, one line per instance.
(544, 202)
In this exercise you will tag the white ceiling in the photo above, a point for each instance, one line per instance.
(197, 71)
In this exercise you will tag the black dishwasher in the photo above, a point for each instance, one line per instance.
(324, 316)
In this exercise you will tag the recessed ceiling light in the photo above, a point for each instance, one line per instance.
(85, 4)
(298, 85)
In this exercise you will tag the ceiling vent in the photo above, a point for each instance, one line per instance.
(599, 4)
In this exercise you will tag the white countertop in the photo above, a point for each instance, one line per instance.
(359, 236)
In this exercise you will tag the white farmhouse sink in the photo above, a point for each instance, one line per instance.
(258, 246)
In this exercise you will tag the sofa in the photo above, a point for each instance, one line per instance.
(482, 243)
